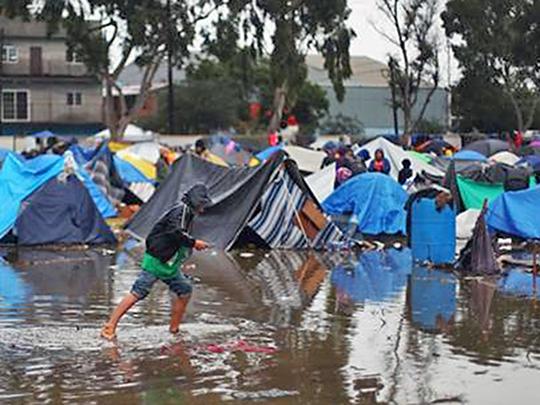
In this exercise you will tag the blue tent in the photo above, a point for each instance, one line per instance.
(104, 206)
(377, 276)
(18, 180)
(531, 160)
(516, 213)
(375, 200)
(43, 134)
(432, 297)
(469, 155)
(61, 212)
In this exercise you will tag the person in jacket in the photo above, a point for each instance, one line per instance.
(168, 245)
(379, 164)
(406, 172)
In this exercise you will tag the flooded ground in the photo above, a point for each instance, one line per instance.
(271, 327)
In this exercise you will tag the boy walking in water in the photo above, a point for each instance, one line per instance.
(167, 246)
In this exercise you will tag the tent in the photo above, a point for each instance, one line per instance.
(266, 153)
(375, 202)
(269, 203)
(505, 157)
(149, 151)
(532, 160)
(321, 183)
(132, 133)
(376, 276)
(395, 154)
(469, 155)
(63, 212)
(308, 160)
(18, 180)
(142, 165)
(515, 213)
(487, 147)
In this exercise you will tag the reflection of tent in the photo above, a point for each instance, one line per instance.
(518, 283)
(432, 297)
(272, 200)
(396, 155)
(487, 147)
(13, 290)
(516, 213)
(61, 212)
(376, 200)
(377, 276)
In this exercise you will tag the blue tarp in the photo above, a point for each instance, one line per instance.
(377, 276)
(469, 155)
(516, 213)
(375, 200)
(82, 155)
(432, 297)
(18, 180)
(265, 154)
(61, 212)
(104, 206)
(128, 172)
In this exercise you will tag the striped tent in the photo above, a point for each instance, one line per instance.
(289, 217)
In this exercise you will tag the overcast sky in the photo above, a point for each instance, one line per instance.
(371, 43)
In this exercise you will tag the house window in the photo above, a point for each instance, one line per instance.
(15, 105)
(74, 98)
(73, 57)
(10, 54)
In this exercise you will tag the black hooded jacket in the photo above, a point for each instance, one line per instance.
(172, 230)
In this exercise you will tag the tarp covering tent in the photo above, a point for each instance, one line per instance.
(308, 160)
(61, 212)
(321, 183)
(487, 147)
(266, 153)
(516, 213)
(128, 172)
(395, 154)
(238, 195)
(505, 157)
(375, 200)
(145, 167)
(474, 193)
(376, 276)
(18, 180)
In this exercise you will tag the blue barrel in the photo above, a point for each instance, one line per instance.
(433, 233)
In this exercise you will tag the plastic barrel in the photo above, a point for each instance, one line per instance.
(433, 233)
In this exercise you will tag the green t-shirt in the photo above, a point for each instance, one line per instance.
(162, 270)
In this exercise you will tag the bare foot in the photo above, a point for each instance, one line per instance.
(108, 332)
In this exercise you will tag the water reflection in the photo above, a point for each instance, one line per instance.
(347, 328)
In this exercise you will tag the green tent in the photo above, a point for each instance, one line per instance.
(473, 193)
(420, 156)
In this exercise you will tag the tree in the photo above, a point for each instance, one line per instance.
(343, 125)
(417, 64)
(294, 27)
(145, 31)
(500, 39)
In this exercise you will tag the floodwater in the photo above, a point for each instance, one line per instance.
(267, 327)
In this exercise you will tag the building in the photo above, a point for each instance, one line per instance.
(367, 97)
(43, 84)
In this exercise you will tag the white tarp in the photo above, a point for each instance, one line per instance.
(395, 154)
(505, 157)
(148, 151)
(465, 223)
(321, 183)
(142, 190)
(308, 160)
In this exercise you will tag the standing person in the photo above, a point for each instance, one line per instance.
(380, 164)
(167, 246)
(406, 172)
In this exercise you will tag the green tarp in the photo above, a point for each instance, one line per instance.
(473, 193)
(421, 156)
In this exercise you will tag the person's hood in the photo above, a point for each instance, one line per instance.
(197, 197)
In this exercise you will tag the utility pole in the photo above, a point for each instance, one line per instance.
(170, 94)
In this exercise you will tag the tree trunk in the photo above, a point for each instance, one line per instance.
(280, 97)
(407, 123)
(111, 117)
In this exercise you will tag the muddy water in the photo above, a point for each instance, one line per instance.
(270, 327)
